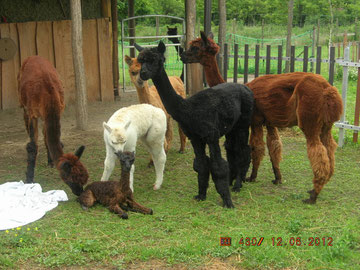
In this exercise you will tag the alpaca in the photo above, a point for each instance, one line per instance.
(150, 95)
(41, 95)
(125, 126)
(114, 194)
(284, 100)
(179, 49)
(204, 117)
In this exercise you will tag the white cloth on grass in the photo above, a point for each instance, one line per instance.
(21, 203)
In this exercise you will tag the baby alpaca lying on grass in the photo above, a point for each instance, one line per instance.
(114, 194)
(125, 126)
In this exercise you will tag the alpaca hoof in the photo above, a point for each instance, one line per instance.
(276, 181)
(236, 189)
(124, 216)
(249, 179)
(84, 208)
(181, 151)
(155, 187)
(200, 198)
(151, 212)
(228, 204)
(150, 164)
(309, 201)
(51, 164)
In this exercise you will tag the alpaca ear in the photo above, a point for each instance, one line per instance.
(127, 125)
(203, 37)
(128, 60)
(211, 35)
(161, 47)
(138, 47)
(107, 127)
(80, 151)
(66, 167)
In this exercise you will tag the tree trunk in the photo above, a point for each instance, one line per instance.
(114, 21)
(288, 37)
(80, 83)
(194, 72)
(222, 34)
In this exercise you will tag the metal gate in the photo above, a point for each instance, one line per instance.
(123, 38)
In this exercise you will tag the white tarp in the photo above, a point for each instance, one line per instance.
(21, 203)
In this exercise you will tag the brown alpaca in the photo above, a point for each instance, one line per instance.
(114, 194)
(283, 100)
(150, 95)
(41, 96)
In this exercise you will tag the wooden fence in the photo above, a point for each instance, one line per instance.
(52, 40)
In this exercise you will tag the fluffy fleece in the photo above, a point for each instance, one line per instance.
(125, 127)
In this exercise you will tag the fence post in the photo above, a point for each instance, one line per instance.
(279, 67)
(306, 58)
(344, 95)
(331, 65)
(357, 103)
(318, 60)
(268, 54)
(292, 59)
(226, 59)
(236, 55)
(246, 63)
(312, 51)
(257, 59)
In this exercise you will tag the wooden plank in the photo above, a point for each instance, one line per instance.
(306, 58)
(27, 41)
(332, 65)
(268, 54)
(236, 59)
(318, 60)
(257, 60)
(226, 58)
(91, 60)
(279, 67)
(63, 58)
(292, 59)
(44, 41)
(105, 60)
(246, 63)
(10, 70)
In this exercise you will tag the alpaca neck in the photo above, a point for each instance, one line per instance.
(53, 133)
(173, 103)
(143, 93)
(212, 72)
(125, 180)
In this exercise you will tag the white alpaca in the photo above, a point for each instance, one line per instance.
(125, 127)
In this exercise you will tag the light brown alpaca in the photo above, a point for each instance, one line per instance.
(41, 96)
(150, 95)
(283, 100)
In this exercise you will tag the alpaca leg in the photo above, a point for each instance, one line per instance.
(202, 166)
(257, 150)
(109, 163)
(220, 173)
(131, 180)
(32, 149)
(50, 161)
(330, 145)
(136, 207)
(159, 157)
(169, 134)
(182, 137)
(320, 164)
(274, 146)
(87, 199)
(117, 210)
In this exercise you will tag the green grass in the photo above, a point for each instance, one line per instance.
(185, 232)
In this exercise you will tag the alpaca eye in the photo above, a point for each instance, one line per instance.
(134, 73)
(114, 142)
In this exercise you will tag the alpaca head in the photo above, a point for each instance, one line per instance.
(126, 160)
(151, 60)
(134, 71)
(117, 136)
(172, 31)
(200, 49)
(72, 171)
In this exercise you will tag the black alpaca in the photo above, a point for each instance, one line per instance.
(175, 40)
(225, 109)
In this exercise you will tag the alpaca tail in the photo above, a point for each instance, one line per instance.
(333, 106)
(53, 131)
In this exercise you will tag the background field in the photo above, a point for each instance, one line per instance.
(183, 233)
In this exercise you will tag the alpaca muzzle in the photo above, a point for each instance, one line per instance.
(75, 188)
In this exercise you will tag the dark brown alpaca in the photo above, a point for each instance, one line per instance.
(283, 100)
(114, 194)
(41, 96)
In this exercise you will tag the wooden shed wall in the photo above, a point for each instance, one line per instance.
(52, 40)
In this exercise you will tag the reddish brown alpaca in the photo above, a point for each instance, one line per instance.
(41, 96)
(116, 195)
(150, 95)
(283, 100)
